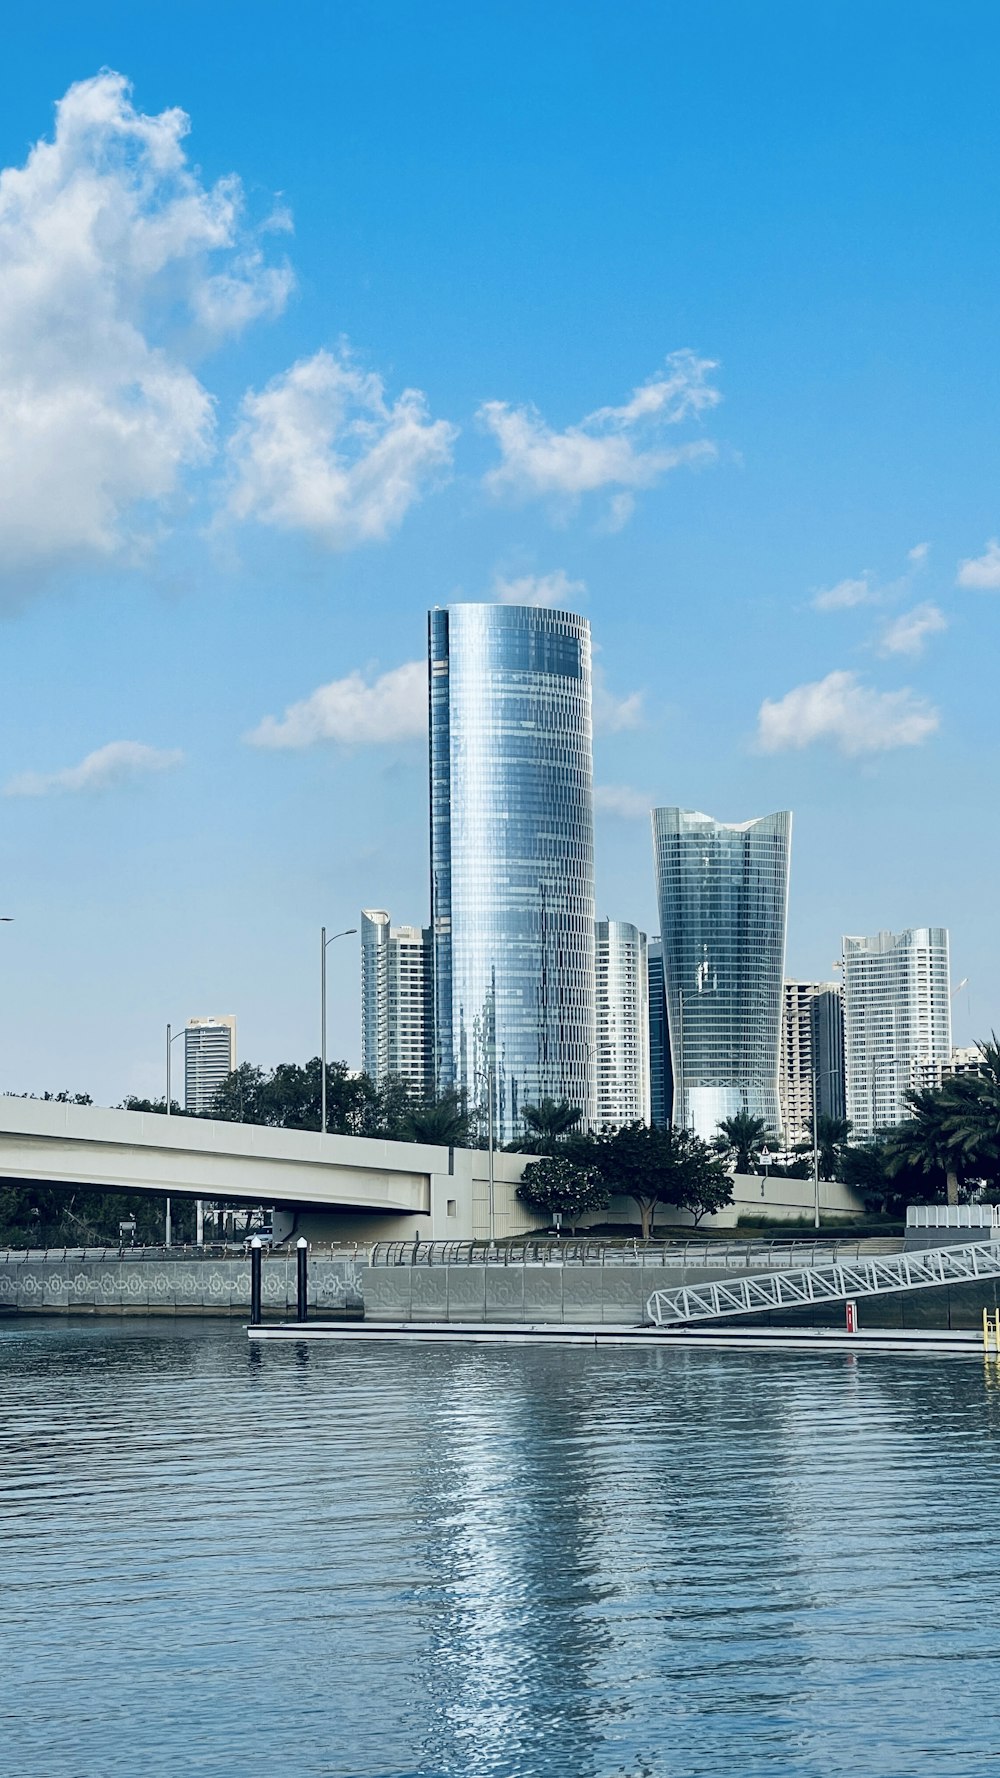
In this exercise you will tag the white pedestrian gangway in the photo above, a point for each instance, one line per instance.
(831, 1282)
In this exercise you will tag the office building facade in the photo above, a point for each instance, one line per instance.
(723, 893)
(812, 1057)
(209, 1055)
(397, 1030)
(661, 1086)
(897, 1021)
(512, 859)
(623, 1085)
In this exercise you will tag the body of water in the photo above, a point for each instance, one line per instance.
(491, 1562)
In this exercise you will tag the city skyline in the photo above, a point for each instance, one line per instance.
(758, 456)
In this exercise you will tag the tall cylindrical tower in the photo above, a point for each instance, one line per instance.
(512, 857)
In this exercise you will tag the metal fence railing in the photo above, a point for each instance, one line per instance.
(211, 1250)
(571, 1251)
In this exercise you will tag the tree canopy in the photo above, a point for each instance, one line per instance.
(561, 1185)
(654, 1164)
(742, 1136)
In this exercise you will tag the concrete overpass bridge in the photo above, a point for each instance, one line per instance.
(344, 1187)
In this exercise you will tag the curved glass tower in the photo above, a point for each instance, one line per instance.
(723, 892)
(512, 858)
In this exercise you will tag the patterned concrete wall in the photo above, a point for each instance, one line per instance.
(159, 1286)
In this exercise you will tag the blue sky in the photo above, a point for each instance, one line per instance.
(682, 314)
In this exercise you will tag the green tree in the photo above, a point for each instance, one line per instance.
(441, 1120)
(831, 1138)
(742, 1136)
(658, 1165)
(971, 1115)
(926, 1143)
(558, 1185)
(547, 1125)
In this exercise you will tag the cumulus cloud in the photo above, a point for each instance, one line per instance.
(614, 447)
(840, 709)
(907, 633)
(623, 801)
(982, 572)
(555, 589)
(322, 450)
(352, 711)
(116, 263)
(918, 554)
(120, 762)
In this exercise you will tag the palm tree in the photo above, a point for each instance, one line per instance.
(925, 1142)
(743, 1134)
(548, 1123)
(831, 1135)
(971, 1114)
(442, 1121)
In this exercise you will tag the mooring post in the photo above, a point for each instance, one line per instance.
(302, 1281)
(256, 1261)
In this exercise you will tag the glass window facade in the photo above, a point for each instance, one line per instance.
(897, 1021)
(512, 857)
(723, 895)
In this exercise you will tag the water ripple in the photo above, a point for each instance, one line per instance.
(491, 1562)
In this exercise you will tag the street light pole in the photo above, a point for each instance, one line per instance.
(200, 1213)
(324, 946)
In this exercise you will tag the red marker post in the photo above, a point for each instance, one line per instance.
(852, 1317)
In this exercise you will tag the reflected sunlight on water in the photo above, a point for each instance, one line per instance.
(516, 1562)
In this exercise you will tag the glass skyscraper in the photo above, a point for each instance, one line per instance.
(512, 858)
(723, 890)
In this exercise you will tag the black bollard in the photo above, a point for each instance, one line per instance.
(302, 1281)
(256, 1260)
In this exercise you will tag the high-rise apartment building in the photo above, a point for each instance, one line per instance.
(828, 1050)
(897, 1021)
(723, 891)
(396, 1001)
(812, 1055)
(209, 1055)
(623, 1089)
(512, 858)
(661, 1086)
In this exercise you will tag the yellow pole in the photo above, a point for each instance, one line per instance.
(986, 1330)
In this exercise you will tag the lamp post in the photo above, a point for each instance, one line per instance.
(171, 1040)
(324, 946)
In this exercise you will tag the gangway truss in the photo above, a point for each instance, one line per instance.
(832, 1282)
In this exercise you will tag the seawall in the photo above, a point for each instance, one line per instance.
(116, 1284)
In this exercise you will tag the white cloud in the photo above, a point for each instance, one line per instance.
(982, 572)
(120, 762)
(918, 554)
(392, 708)
(321, 450)
(614, 447)
(847, 593)
(856, 718)
(907, 633)
(115, 261)
(611, 714)
(555, 589)
(621, 800)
